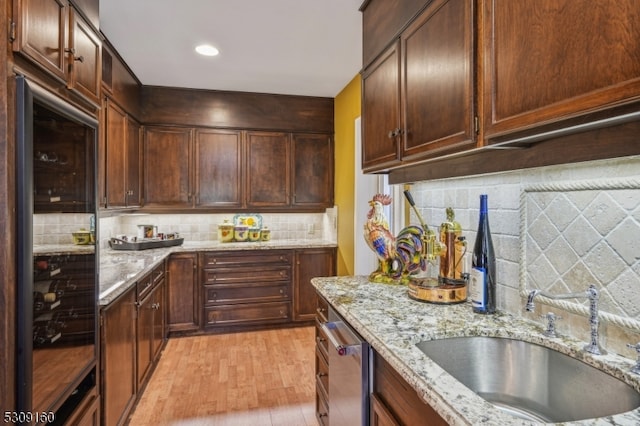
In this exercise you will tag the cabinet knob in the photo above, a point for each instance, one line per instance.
(395, 132)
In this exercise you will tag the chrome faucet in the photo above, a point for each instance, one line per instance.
(592, 294)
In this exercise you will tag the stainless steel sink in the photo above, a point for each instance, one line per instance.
(530, 381)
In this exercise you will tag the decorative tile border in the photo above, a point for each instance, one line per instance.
(573, 234)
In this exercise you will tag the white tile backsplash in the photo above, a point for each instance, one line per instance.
(582, 219)
(204, 227)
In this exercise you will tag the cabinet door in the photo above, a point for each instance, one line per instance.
(268, 169)
(219, 169)
(144, 337)
(437, 81)
(396, 402)
(549, 60)
(381, 111)
(182, 293)
(85, 60)
(42, 33)
(150, 331)
(312, 170)
(159, 319)
(134, 163)
(167, 161)
(116, 124)
(118, 359)
(310, 263)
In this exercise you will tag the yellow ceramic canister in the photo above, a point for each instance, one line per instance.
(241, 232)
(265, 234)
(254, 234)
(225, 232)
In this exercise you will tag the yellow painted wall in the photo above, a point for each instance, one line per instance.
(346, 110)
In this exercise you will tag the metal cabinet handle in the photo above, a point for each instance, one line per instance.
(342, 349)
(395, 132)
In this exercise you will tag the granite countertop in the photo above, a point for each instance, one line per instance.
(393, 323)
(119, 269)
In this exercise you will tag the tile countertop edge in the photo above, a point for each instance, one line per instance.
(393, 323)
(121, 269)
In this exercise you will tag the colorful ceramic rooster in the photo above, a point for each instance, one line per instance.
(398, 256)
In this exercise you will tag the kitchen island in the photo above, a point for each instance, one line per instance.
(393, 324)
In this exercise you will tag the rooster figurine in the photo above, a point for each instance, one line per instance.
(398, 257)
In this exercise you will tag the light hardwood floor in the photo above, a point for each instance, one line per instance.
(252, 378)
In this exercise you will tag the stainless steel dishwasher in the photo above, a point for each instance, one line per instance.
(348, 373)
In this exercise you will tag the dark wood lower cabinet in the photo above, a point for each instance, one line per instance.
(118, 359)
(250, 288)
(395, 402)
(133, 334)
(322, 363)
(183, 299)
(310, 263)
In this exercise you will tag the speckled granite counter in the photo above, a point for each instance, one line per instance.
(392, 323)
(119, 270)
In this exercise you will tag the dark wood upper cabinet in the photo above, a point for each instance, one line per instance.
(219, 158)
(268, 181)
(438, 80)
(381, 111)
(85, 60)
(382, 21)
(550, 60)
(167, 159)
(116, 154)
(42, 33)
(418, 95)
(55, 37)
(313, 170)
(133, 189)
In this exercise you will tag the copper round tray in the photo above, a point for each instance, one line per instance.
(445, 294)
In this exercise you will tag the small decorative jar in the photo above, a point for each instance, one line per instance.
(254, 234)
(265, 234)
(241, 232)
(225, 232)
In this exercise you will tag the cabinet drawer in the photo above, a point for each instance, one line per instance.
(262, 292)
(149, 281)
(322, 341)
(322, 407)
(322, 310)
(246, 275)
(250, 313)
(322, 372)
(144, 286)
(245, 258)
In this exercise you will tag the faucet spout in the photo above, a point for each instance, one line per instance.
(532, 295)
(592, 294)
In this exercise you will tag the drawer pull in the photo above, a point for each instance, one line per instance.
(320, 375)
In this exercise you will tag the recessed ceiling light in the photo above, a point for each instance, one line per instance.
(207, 50)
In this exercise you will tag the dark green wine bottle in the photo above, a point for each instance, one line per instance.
(482, 282)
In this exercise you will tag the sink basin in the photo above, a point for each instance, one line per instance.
(530, 381)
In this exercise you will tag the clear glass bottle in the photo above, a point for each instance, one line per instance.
(482, 282)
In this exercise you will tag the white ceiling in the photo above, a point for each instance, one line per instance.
(294, 47)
